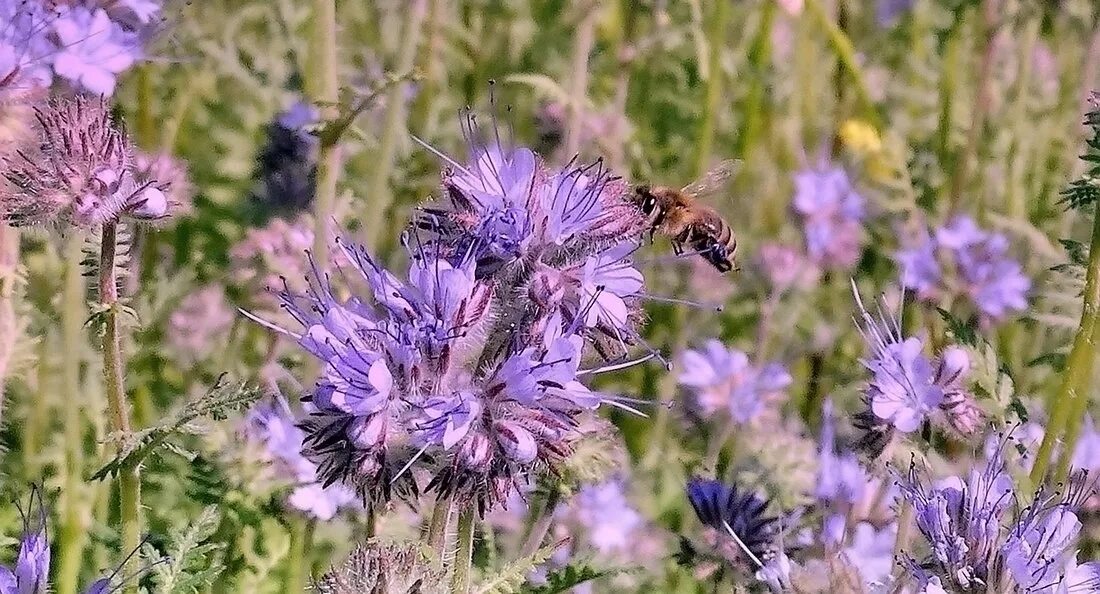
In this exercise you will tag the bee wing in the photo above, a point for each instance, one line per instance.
(715, 180)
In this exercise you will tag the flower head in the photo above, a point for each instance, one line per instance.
(272, 425)
(724, 378)
(92, 49)
(978, 534)
(82, 172)
(831, 212)
(785, 268)
(199, 323)
(611, 524)
(907, 386)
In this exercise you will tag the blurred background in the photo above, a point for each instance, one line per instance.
(889, 116)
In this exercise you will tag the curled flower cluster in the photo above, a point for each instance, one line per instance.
(785, 268)
(266, 257)
(977, 532)
(472, 366)
(272, 425)
(86, 43)
(81, 173)
(962, 260)
(723, 379)
(831, 212)
(906, 386)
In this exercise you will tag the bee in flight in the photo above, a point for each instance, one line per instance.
(681, 216)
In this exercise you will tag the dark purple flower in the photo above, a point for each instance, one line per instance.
(737, 514)
(30, 574)
(286, 165)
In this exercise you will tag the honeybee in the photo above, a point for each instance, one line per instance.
(681, 216)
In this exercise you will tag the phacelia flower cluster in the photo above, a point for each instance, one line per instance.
(272, 425)
(268, 257)
(722, 379)
(961, 260)
(907, 386)
(831, 213)
(978, 533)
(86, 43)
(470, 367)
(81, 172)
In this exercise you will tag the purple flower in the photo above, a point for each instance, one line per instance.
(93, 50)
(611, 524)
(272, 425)
(872, 552)
(840, 478)
(199, 323)
(24, 47)
(961, 259)
(978, 534)
(907, 386)
(785, 268)
(725, 378)
(832, 213)
(1086, 455)
(30, 574)
(287, 163)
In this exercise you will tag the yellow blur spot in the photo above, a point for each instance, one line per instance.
(860, 137)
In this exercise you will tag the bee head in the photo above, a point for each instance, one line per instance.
(645, 199)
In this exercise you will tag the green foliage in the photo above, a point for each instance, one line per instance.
(216, 404)
(1084, 192)
(510, 578)
(566, 578)
(193, 563)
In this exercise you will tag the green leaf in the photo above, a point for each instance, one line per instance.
(963, 332)
(1078, 252)
(566, 578)
(138, 445)
(1056, 361)
(510, 579)
(192, 562)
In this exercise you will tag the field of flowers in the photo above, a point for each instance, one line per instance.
(402, 296)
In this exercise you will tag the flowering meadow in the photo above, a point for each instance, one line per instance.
(404, 296)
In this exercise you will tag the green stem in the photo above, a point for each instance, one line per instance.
(464, 556)
(1015, 206)
(9, 262)
(301, 538)
(846, 53)
(715, 44)
(759, 63)
(129, 485)
(986, 29)
(437, 526)
(145, 132)
(541, 524)
(1072, 399)
(578, 82)
(324, 90)
(394, 123)
(73, 314)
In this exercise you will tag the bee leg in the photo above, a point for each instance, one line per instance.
(652, 232)
(677, 247)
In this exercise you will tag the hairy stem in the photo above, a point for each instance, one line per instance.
(323, 85)
(986, 29)
(393, 125)
(118, 410)
(437, 526)
(1073, 395)
(759, 63)
(301, 539)
(464, 557)
(541, 523)
(73, 313)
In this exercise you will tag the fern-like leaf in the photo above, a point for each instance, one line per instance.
(511, 577)
(193, 562)
(568, 577)
(138, 445)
